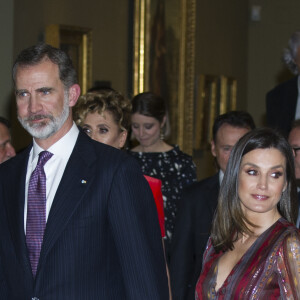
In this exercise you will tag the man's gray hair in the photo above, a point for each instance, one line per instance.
(290, 53)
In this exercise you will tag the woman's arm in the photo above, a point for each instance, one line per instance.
(289, 266)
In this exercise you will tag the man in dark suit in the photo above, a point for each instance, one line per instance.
(197, 207)
(281, 105)
(294, 140)
(282, 102)
(99, 240)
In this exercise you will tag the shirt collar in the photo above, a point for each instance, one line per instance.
(62, 148)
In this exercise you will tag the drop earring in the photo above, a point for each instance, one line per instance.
(162, 136)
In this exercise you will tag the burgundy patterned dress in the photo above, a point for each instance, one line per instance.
(270, 268)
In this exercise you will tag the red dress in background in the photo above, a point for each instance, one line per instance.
(155, 185)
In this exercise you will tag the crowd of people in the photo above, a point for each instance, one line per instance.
(83, 215)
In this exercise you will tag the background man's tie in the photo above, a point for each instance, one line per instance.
(36, 210)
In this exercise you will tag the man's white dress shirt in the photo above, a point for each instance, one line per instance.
(54, 168)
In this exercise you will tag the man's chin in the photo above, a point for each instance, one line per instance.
(40, 131)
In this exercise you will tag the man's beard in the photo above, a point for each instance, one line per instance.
(44, 130)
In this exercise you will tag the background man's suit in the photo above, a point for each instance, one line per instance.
(192, 230)
(102, 239)
(281, 105)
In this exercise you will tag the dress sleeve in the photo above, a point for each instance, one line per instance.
(289, 266)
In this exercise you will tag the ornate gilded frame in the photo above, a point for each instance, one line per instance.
(181, 105)
(77, 42)
(215, 95)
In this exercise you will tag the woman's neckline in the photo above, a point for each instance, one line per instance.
(168, 148)
(241, 259)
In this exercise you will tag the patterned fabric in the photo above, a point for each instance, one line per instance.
(270, 268)
(176, 170)
(36, 210)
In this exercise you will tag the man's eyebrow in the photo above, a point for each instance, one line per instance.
(44, 88)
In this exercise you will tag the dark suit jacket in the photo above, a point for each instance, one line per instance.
(192, 230)
(102, 239)
(281, 105)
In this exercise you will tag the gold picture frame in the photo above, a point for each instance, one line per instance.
(164, 34)
(215, 95)
(77, 42)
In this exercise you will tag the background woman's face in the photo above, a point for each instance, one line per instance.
(145, 129)
(262, 179)
(104, 129)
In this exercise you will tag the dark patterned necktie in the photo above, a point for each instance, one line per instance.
(36, 210)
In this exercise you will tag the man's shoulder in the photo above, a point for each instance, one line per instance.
(93, 151)
(284, 86)
(201, 192)
(20, 157)
(205, 184)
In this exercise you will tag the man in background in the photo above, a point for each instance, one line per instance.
(197, 207)
(6, 149)
(294, 140)
(283, 101)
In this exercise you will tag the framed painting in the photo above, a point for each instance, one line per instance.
(215, 95)
(163, 62)
(77, 42)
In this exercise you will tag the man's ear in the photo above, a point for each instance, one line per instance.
(213, 148)
(74, 93)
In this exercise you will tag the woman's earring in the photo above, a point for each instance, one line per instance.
(162, 136)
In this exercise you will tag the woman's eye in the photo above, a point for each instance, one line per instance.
(276, 174)
(148, 126)
(135, 126)
(251, 172)
(86, 130)
(103, 130)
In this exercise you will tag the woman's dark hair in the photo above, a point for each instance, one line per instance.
(151, 105)
(229, 219)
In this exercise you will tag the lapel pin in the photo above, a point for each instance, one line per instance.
(83, 181)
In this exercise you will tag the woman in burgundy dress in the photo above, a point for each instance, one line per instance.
(254, 248)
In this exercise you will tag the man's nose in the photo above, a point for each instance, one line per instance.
(34, 104)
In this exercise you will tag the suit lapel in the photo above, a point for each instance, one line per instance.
(214, 192)
(14, 202)
(75, 182)
(291, 99)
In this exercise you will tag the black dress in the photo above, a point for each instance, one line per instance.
(176, 170)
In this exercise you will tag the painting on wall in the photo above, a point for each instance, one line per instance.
(163, 63)
(215, 95)
(77, 42)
